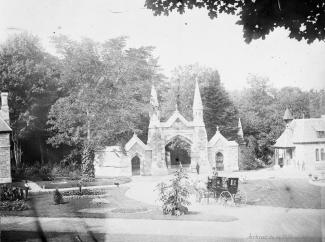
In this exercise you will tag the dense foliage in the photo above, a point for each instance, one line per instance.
(30, 75)
(261, 108)
(303, 19)
(107, 88)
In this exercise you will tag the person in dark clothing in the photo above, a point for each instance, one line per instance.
(197, 168)
(26, 189)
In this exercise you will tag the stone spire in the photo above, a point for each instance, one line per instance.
(240, 132)
(197, 105)
(287, 117)
(154, 102)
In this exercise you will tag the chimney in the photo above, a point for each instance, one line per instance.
(4, 107)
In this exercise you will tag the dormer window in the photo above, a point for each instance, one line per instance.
(321, 134)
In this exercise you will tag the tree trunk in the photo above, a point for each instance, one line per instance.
(88, 169)
(17, 151)
(41, 151)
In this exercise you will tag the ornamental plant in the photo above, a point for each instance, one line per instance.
(174, 195)
(57, 197)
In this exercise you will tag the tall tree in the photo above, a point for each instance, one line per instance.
(107, 95)
(303, 19)
(294, 99)
(30, 75)
(260, 116)
(316, 103)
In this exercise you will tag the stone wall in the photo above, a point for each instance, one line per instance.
(5, 171)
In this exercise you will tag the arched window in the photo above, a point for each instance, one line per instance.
(317, 155)
(219, 161)
(322, 154)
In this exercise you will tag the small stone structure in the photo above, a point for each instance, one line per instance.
(5, 130)
(157, 156)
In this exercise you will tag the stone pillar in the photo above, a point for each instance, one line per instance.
(147, 163)
(200, 150)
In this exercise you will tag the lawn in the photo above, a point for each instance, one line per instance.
(119, 206)
(287, 193)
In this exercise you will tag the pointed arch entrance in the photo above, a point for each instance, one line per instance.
(178, 151)
(135, 164)
(219, 161)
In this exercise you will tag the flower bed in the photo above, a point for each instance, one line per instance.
(85, 193)
(17, 205)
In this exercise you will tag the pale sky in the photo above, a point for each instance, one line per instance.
(179, 39)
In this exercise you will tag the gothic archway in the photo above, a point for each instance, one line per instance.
(178, 150)
(219, 161)
(135, 164)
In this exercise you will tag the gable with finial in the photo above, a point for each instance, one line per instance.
(133, 142)
(177, 120)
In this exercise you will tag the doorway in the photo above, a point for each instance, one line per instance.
(135, 163)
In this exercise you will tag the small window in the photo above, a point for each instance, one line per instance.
(322, 154)
(317, 155)
(321, 134)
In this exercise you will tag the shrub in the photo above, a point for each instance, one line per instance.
(57, 197)
(174, 196)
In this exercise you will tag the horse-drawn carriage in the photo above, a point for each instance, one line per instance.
(225, 190)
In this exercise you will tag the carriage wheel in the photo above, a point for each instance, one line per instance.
(240, 198)
(226, 198)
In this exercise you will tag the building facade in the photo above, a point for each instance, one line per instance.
(170, 143)
(5, 130)
(302, 145)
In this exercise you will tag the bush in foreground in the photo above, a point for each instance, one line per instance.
(174, 196)
(57, 197)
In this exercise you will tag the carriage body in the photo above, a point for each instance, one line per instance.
(224, 188)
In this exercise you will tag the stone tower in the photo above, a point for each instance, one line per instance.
(200, 141)
(155, 153)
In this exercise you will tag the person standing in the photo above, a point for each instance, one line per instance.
(26, 189)
(198, 168)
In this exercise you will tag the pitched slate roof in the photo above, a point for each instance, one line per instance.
(301, 131)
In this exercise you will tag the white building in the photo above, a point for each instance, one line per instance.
(302, 145)
(159, 154)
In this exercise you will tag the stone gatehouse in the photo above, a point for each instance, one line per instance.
(5, 130)
(162, 151)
